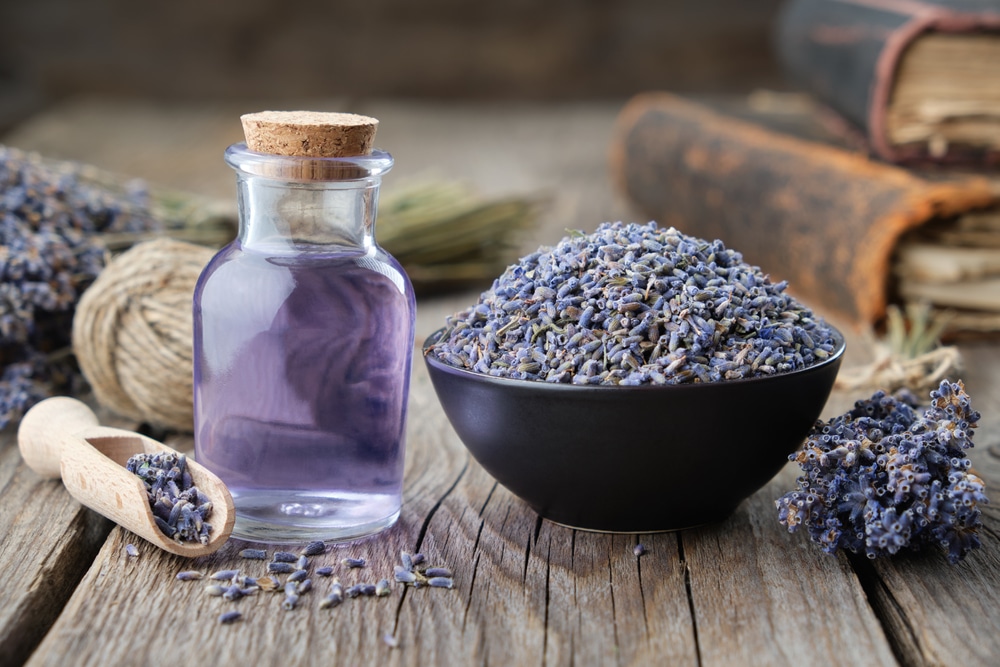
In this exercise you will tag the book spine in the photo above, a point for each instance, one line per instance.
(847, 53)
(825, 219)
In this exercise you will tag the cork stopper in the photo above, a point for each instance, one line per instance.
(309, 133)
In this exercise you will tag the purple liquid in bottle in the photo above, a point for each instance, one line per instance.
(302, 363)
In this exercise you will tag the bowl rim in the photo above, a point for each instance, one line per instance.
(431, 360)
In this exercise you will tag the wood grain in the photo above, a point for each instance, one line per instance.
(48, 542)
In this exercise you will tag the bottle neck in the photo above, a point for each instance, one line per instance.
(307, 204)
(315, 215)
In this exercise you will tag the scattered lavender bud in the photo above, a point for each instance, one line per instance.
(246, 581)
(214, 590)
(639, 550)
(249, 590)
(367, 590)
(225, 575)
(407, 561)
(289, 602)
(335, 597)
(233, 593)
(353, 562)
(324, 571)
(189, 575)
(284, 557)
(298, 575)
(291, 588)
(131, 550)
(884, 477)
(389, 640)
(254, 554)
(305, 586)
(437, 572)
(280, 568)
(314, 548)
(302, 563)
(382, 588)
(230, 617)
(404, 576)
(353, 591)
(417, 559)
(440, 582)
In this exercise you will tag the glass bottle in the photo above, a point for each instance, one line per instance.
(303, 336)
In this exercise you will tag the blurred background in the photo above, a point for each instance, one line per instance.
(256, 50)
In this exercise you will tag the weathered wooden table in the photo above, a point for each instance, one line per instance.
(528, 592)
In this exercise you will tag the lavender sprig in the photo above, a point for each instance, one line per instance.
(883, 478)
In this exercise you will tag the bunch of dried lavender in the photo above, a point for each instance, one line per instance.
(882, 477)
(179, 508)
(634, 304)
(49, 219)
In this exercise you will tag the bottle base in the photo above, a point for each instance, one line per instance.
(281, 519)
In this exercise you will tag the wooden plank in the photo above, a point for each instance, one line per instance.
(48, 542)
(762, 596)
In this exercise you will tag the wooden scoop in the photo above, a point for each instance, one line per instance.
(61, 437)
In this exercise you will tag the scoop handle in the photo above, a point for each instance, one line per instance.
(48, 428)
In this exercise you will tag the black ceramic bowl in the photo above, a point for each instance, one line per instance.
(633, 459)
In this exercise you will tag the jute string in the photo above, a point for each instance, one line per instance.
(133, 330)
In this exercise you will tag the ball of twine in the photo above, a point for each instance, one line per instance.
(133, 330)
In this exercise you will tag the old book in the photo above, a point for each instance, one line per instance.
(824, 217)
(920, 77)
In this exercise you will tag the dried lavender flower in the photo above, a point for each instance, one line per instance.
(290, 602)
(353, 591)
(353, 562)
(280, 568)
(254, 554)
(189, 575)
(407, 561)
(305, 586)
(440, 582)
(51, 219)
(405, 576)
(214, 590)
(233, 593)
(382, 588)
(639, 550)
(324, 571)
(224, 575)
(634, 304)
(180, 509)
(298, 575)
(284, 557)
(883, 477)
(302, 563)
(131, 551)
(417, 559)
(437, 572)
(389, 640)
(230, 617)
(314, 548)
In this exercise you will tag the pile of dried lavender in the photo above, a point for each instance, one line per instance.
(49, 253)
(882, 478)
(179, 508)
(634, 304)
